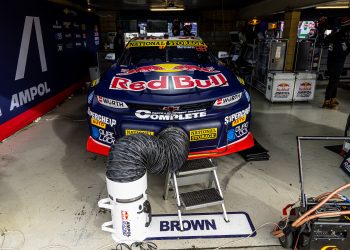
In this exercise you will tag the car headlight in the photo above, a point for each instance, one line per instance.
(227, 100)
(247, 95)
(111, 102)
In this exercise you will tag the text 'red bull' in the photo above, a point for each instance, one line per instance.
(163, 83)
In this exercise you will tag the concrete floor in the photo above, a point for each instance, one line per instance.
(50, 186)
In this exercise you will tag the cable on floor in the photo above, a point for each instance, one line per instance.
(144, 245)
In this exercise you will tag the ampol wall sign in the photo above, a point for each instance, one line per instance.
(46, 50)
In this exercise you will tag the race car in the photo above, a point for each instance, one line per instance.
(162, 82)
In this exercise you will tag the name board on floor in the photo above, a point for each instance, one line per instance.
(201, 225)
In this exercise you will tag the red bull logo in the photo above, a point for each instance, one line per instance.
(283, 87)
(305, 86)
(163, 83)
(168, 68)
(143, 69)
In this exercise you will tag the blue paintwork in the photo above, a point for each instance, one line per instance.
(215, 117)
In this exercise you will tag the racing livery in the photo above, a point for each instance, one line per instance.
(176, 81)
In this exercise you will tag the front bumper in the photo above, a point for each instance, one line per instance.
(239, 145)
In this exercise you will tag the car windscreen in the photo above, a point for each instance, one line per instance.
(171, 54)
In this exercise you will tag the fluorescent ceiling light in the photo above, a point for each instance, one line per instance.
(167, 9)
(332, 7)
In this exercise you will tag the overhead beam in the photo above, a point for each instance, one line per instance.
(268, 7)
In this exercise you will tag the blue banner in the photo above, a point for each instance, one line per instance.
(45, 48)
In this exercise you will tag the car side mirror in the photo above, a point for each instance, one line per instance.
(223, 55)
(110, 57)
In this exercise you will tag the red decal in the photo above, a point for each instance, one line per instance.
(162, 83)
(119, 83)
(137, 86)
(223, 79)
(203, 84)
(179, 82)
(183, 82)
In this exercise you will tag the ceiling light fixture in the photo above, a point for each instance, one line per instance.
(333, 7)
(169, 6)
(167, 9)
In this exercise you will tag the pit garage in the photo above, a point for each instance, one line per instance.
(174, 124)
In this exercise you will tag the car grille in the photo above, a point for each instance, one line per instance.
(192, 106)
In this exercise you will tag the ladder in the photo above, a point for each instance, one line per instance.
(194, 172)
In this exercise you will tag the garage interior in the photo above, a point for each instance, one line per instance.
(50, 185)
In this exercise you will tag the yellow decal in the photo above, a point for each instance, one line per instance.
(186, 43)
(239, 120)
(134, 131)
(146, 44)
(94, 82)
(98, 123)
(163, 43)
(203, 134)
(241, 81)
(168, 67)
(330, 248)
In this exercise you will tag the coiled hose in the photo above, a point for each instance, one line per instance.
(131, 156)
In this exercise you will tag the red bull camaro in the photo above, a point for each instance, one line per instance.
(157, 83)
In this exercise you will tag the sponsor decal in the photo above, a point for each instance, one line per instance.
(125, 215)
(95, 133)
(193, 225)
(59, 47)
(241, 130)
(146, 44)
(235, 116)
(228, 100)
(94, 116)
(28, 95)
(282, 91)
(179, 82)
(90, 97)
(164, 43)
(111, 103)
(135, 131)
(23, 52)
(304, 90)
(57, 25)
(231, 135)
(167, 68)
(98, 123)
(170, 116)
(203, 134)
(239, 120)
(171, 108)
(330, 248)
(125, 223)
(106, 136)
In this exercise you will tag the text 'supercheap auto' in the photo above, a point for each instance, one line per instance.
(158, 83)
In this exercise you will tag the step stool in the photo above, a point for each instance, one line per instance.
(193, 172)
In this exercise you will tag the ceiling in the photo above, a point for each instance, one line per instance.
(146, 4)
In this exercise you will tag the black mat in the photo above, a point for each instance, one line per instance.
(335, 148)
(256, 153)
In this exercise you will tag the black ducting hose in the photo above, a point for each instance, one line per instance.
(131, 156)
